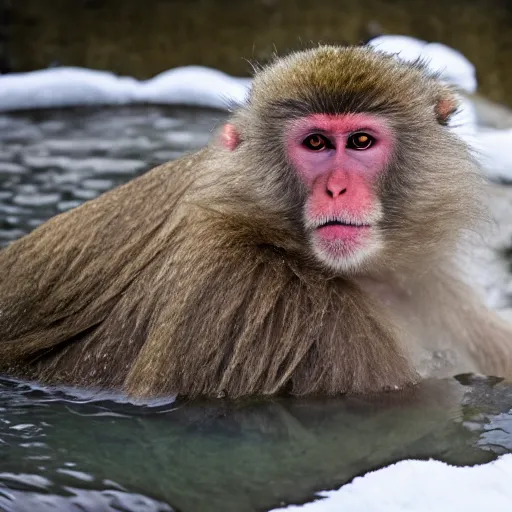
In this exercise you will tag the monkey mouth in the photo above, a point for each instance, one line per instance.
(349, 233)
(337, 222)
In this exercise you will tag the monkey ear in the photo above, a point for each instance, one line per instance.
(230, 137)
(446, 106)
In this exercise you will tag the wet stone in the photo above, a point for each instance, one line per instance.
(84, 194)
(34, 223)
(53, 126)
(97, 184)
(76, 147)
(6, 209)
(81, 147)
(9, 235)
(107, 165)
(185, 140)
(11, 221)
(36, 199)
(45, 162)
(11, 168)
(24, 133)
(166, 124)
(166, 155)
(27, 188)
(62, 206)
(9, 153)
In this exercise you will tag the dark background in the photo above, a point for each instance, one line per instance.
(144, 37)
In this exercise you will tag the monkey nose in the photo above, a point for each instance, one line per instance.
(336, 184)
(335, 191)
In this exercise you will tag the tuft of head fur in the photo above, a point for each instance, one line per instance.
(340, 80)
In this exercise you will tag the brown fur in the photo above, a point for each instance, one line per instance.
(197, 279)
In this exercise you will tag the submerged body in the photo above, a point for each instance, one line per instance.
(310, 248)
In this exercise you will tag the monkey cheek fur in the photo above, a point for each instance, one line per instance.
(345, 248)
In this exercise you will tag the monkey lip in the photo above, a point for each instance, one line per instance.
(337, 230)
(343, 223)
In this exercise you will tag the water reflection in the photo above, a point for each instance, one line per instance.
(231, 456)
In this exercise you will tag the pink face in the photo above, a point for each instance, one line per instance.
(339, 158)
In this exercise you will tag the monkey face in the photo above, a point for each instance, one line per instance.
(348, 153)
(339, 159)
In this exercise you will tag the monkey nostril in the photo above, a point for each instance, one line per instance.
(333, 192)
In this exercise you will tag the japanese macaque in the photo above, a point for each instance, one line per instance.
(310, 248)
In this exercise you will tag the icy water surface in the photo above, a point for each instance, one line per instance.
(61, 450)
(51, 161)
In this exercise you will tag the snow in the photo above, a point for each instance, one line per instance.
(453, 67)
(64, 87)
(422, 486)
(195, 85)
(494, 151)
(72, 86)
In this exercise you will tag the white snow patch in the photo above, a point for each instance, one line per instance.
(64, 87)
(453, 67)
(72, 86)
(195, 85)
(422, 486)
(494, 151)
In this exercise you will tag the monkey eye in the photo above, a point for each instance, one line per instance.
(316, 142)
(360, 141)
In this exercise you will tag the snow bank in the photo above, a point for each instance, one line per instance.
(422, 486)
(195, 85)
(64, 87)
(70, 86)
